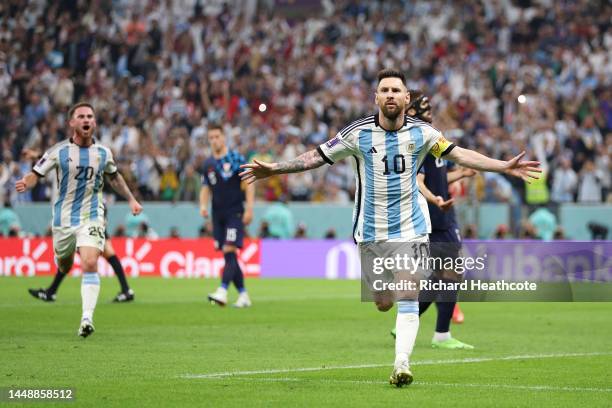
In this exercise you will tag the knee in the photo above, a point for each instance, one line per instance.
(89, 263)
(384, 306)
(229, 249)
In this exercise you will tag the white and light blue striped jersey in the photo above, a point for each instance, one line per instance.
(388, 204)
(80, 176)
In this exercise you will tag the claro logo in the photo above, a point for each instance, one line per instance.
(28, 263)
(187, 265)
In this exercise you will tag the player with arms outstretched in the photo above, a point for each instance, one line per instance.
(388, 206)
(230, 215)
(78, 211)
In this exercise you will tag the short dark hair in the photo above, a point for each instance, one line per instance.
(391, 73)
(215, 126)
(80, 105)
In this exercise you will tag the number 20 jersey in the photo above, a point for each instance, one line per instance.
(388, 205)
(80, 177)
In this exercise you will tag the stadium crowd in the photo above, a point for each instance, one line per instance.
(502, 76)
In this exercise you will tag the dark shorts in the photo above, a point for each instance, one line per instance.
(445, 243)
(228, 229)
(451, 234)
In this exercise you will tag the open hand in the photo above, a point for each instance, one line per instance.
(523, 169)
(444, 205)
(257, 170)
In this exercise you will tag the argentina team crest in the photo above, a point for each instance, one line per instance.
(410, 148)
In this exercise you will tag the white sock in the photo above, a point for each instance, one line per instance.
(441, 336)
(406, 329)
(90, 288)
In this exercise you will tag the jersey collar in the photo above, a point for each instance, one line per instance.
(377, 123)
(93, 141)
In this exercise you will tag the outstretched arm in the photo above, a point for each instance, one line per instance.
(261, 170)
(117, 182)
(469, 158)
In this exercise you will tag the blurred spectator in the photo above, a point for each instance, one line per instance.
(133, 222)
(174, 233)
(279, 218)
(470, 232)
(536, 192)
(559, 234)
(501, 232)
(189, 189)
(564, 183)
(528, 231)
(169, 184)
(120, 231)
(544, 222)
(145, 231)
(264, 230)
(9, 220)
(330, 234)
(206, 230)
(598, 231)
(590, 184)
(300, 232)
(299, 186)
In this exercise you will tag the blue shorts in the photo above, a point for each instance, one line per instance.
(445, 243)
(228, 229)
(452, 234)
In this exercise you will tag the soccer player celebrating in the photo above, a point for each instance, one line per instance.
(78, 211)
(435, 176)
(387, 150)
(230, 215)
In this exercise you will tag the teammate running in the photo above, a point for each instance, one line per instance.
(78, 211)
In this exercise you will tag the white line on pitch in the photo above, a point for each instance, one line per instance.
(416, 363)
(262, 299)
(425, 383)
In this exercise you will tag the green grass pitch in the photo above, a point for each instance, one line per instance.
(303, 343)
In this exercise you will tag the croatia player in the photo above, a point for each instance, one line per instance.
(387, 150)
(78, 211)
(230, 215)
(435, 176)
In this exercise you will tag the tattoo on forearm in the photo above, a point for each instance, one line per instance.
(307, 161)
(120, 186)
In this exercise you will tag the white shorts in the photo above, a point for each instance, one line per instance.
(396, 262)
(66, 240)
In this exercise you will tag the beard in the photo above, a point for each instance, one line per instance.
(85, 133)
(391, 112)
